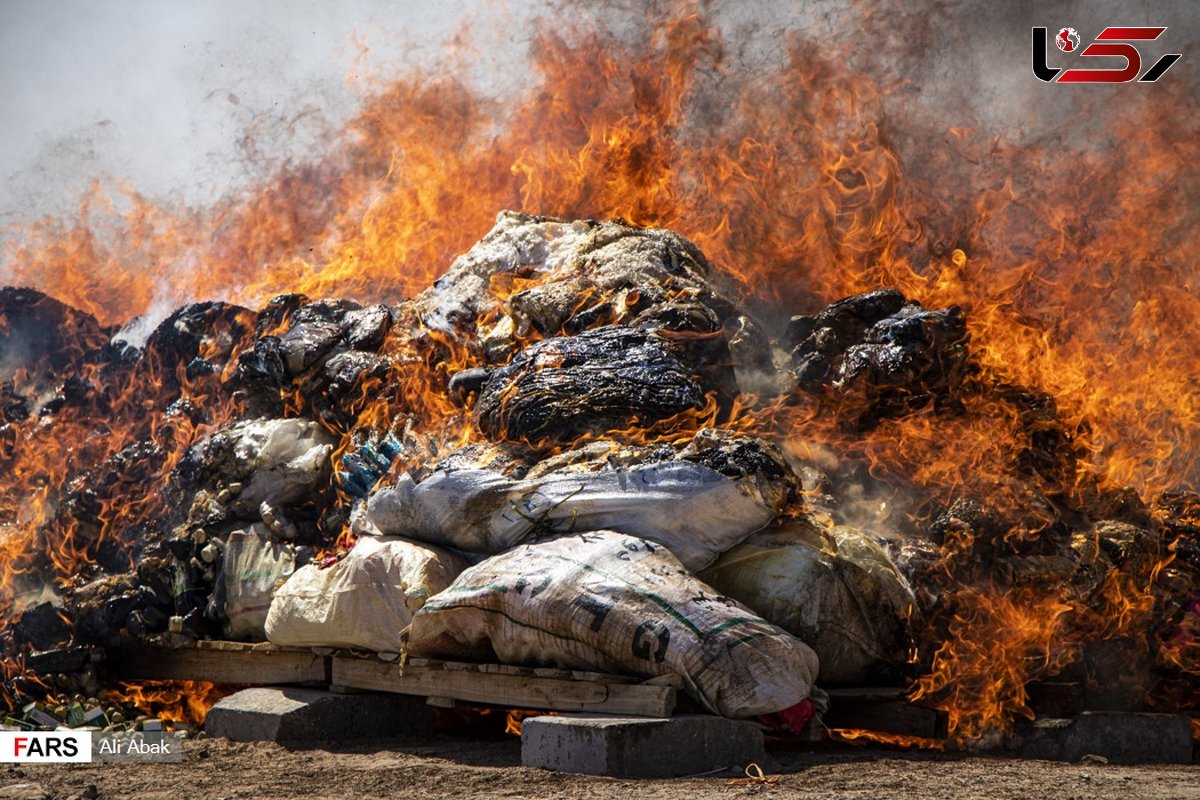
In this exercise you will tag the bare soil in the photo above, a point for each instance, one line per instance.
(462, 770)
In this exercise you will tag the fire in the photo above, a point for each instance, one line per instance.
(986, 678)
(864, 738)
(171, 701)
(514, 718)
(1073, 270)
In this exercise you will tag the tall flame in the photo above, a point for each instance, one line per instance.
(1074, 267)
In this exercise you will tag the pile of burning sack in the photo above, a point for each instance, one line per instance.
(553, 544)
(548, 539)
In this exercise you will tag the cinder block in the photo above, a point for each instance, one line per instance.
(635, 747)
(1121, 737)
(293, 714)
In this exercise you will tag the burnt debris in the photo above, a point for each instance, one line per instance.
(561, 379)
(880, 354)
(610, 377)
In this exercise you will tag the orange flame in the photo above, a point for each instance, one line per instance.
(171, 701)
(1073, 267)
(865, 738)
(514, 718)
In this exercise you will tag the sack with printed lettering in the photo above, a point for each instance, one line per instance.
(616, 603)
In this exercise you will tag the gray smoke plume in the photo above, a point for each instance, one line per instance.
(186, 101)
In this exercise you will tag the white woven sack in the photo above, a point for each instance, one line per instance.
(365, 600)
(616, 603)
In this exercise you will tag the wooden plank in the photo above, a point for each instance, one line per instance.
(243, 647)
(544, 672)
(513, 691)
(890, 716)
(550, 672)
(425, 662)
(669, 679)
(1056, 698)
(867, 694)
(219, 666)
(227, 647)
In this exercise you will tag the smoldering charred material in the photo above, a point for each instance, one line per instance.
(1179, 512)
(320, 331)
(611, 377)
(848, 317)
(90, 491)
(587, 274)
(366, 328)
(737, 456)
(42, 627)
(305, 344)
(1136, 551)
(326, 352)
(100, 608)
(703, 343)
(880, 353)
(984, 535)
(50, 343)
(466, 383)
(260, 375)
(326, 327)
(199, 336)
(341, 383)
(36, 329)
(911, 348)
(137, 603)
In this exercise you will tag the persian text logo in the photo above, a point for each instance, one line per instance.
(1111, 42)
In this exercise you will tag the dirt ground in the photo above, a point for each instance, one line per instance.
(460, 769)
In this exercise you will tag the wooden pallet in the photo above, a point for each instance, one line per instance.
(443, 681)
(447, 683)
(509, 686)
(221, 662)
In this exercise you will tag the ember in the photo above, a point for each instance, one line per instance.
(889, 433)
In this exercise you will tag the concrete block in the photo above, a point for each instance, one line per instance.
(293, 714)
(636, 747)
(1120, 737)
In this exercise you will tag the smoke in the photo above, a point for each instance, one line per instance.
(188, 102)
(188, 105)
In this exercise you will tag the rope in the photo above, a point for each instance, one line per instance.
(755, 777)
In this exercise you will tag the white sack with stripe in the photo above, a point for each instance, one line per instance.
(616, 603)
